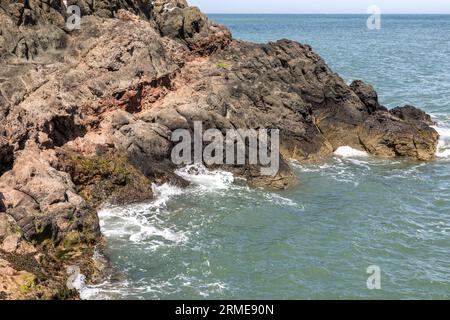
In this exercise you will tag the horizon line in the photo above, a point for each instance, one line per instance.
(329, 13)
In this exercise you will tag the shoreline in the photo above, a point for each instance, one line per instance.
(94, 123)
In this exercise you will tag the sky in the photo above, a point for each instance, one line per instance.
(321, 6)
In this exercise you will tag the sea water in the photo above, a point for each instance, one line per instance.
(220, 238)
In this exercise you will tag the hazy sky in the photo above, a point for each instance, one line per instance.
(321, 6)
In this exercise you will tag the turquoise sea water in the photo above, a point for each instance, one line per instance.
(222, 239)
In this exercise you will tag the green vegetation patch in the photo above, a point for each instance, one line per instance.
(224, 65)
(109, 177)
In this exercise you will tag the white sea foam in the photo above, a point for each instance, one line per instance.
(349, 152)
(143, 222)
(163, 193)
(312, 168)
(443, 148)
(443, 132)
(200, 176)
(147, 223)
(76, 279)
(87, 292)
(282, 201)
(104, 291)
(138, 227)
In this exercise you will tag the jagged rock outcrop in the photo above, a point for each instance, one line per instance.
(86, 116)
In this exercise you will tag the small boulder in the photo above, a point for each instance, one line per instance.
(10, 243)
(3, 226)
(411, 113)
(383, 134)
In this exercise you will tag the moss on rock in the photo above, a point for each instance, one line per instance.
(109, 177)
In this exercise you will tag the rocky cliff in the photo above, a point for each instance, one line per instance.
(86, 117)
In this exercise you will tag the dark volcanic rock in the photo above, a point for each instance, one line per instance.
(386, 135)
(6, 156)
(175, 19)
(412, 114)
(367, 94)
(86, 117)
(2, 205)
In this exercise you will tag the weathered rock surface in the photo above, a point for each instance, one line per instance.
(86, 117)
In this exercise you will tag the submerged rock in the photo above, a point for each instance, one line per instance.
(86, 117)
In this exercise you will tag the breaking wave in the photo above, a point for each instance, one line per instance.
(205, 179)
(349, 152)
(443, 148)
(148, 226)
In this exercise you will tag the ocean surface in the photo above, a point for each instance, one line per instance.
(221, 239)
